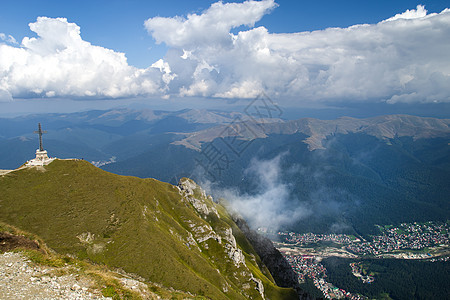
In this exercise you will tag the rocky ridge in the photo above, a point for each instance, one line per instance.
(222, 234)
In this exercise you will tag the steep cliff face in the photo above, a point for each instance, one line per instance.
(271, 258)
(223, 230)
(280, 269)
(175, 236)
(217, 234)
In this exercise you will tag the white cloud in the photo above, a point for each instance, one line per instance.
(164, 68)
(419, 12)
(7, 38)
(209, 28)
(405, 58)
(59, 63)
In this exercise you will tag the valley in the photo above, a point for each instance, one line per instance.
(346, 174)
(428, 242)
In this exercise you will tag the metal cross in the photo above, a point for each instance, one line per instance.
(40, 132)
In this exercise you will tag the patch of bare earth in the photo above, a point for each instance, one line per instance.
(10, 242)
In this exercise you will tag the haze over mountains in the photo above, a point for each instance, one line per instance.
(333, 175)
(100, 132)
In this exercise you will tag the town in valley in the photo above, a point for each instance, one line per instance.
(304, 251)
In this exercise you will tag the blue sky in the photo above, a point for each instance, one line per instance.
(263, 46)
(119, 24)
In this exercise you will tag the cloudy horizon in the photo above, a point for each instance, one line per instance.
(219, 53)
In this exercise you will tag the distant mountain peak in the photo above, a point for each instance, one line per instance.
(382, 127)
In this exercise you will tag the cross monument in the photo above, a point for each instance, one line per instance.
(42, 158)
(40, 132)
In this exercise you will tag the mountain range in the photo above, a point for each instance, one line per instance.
(345, 174)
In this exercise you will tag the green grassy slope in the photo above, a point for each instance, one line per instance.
(142, 226)
(108, 282)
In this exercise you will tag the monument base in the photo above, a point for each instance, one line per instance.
(41, 159)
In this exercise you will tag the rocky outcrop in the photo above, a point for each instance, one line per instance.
(223, 234)
(188, 188)
(205, 206)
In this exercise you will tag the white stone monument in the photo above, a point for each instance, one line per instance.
(42, 158)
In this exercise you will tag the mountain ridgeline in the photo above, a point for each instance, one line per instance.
(348, 174)
(175, 236)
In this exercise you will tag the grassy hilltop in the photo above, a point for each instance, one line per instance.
(176, 237)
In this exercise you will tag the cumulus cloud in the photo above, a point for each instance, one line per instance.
(419, 12)
(403, 59)
(58, 62)
(209, 28)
